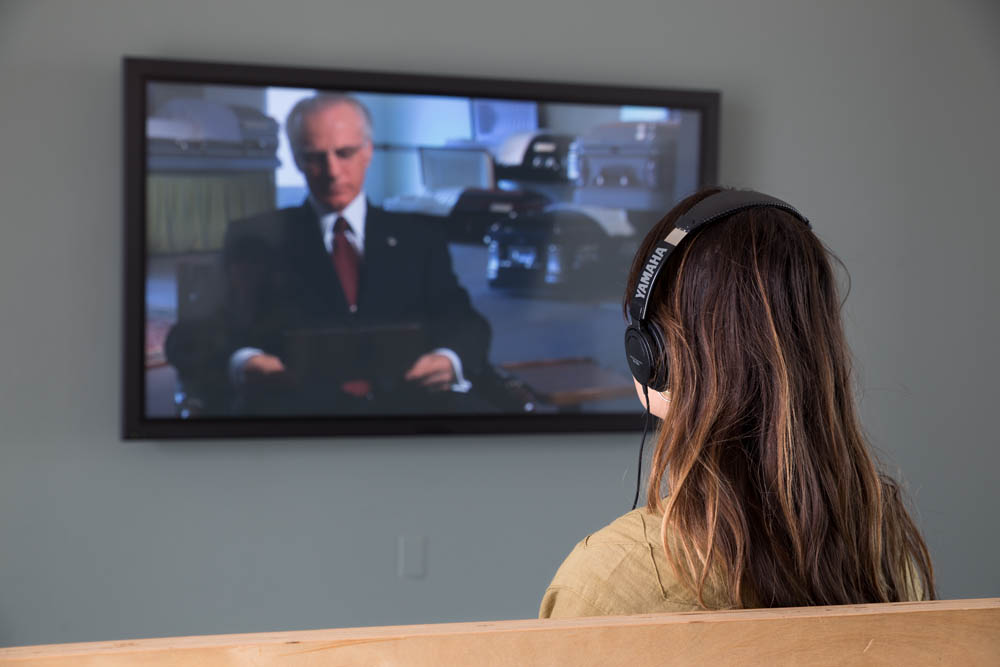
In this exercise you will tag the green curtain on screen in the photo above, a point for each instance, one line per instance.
(188, 212)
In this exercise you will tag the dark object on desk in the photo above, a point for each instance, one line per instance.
(380, 354)
(343, 371)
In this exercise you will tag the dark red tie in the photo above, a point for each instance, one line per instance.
(346, 262)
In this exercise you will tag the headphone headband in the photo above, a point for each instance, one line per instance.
(714, 207)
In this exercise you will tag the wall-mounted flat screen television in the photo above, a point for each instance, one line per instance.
(332, 252)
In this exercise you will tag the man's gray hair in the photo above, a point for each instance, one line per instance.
(319, 102)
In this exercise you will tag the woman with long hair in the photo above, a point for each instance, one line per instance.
(763, 490)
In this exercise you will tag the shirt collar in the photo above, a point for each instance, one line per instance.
(355, 214)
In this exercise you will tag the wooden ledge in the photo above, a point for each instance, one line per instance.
(958, 632)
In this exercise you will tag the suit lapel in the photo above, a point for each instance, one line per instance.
(309, 258)
(379, 268)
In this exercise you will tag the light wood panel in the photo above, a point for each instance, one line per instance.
(950, 632)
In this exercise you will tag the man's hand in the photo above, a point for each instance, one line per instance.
(433, 371)
(263, 365)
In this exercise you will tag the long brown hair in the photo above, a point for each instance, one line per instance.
(772, 493)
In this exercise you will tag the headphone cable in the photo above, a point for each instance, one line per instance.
(642, 444)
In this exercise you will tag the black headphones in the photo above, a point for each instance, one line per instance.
(645, 346)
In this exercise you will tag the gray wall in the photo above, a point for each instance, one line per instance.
(878, 119)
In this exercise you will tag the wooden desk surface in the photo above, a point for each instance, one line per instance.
(570, 381)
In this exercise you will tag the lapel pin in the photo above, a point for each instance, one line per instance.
(391, 241)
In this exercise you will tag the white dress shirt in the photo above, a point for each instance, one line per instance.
(354, 213)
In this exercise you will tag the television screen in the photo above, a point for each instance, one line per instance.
(320, 252)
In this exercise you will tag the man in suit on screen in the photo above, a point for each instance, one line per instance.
(339, 263)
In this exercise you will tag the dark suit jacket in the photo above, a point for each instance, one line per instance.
(281, 278)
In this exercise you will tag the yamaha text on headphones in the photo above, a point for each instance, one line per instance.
(645, 347)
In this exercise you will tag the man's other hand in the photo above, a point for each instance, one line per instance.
(433, 371)
(263, 365)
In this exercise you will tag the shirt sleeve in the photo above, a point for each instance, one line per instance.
(238, 361)
(461, 385)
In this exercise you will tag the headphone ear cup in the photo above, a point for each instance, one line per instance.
(659, 366)
(638, 353)
(645, 352)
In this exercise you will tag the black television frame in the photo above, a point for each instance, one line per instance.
(138, 72)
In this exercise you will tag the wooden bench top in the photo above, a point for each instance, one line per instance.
(947, 632)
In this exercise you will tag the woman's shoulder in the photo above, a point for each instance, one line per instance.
(628, 529)
(620, 569)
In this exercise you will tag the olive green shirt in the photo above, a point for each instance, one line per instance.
(620, 570)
